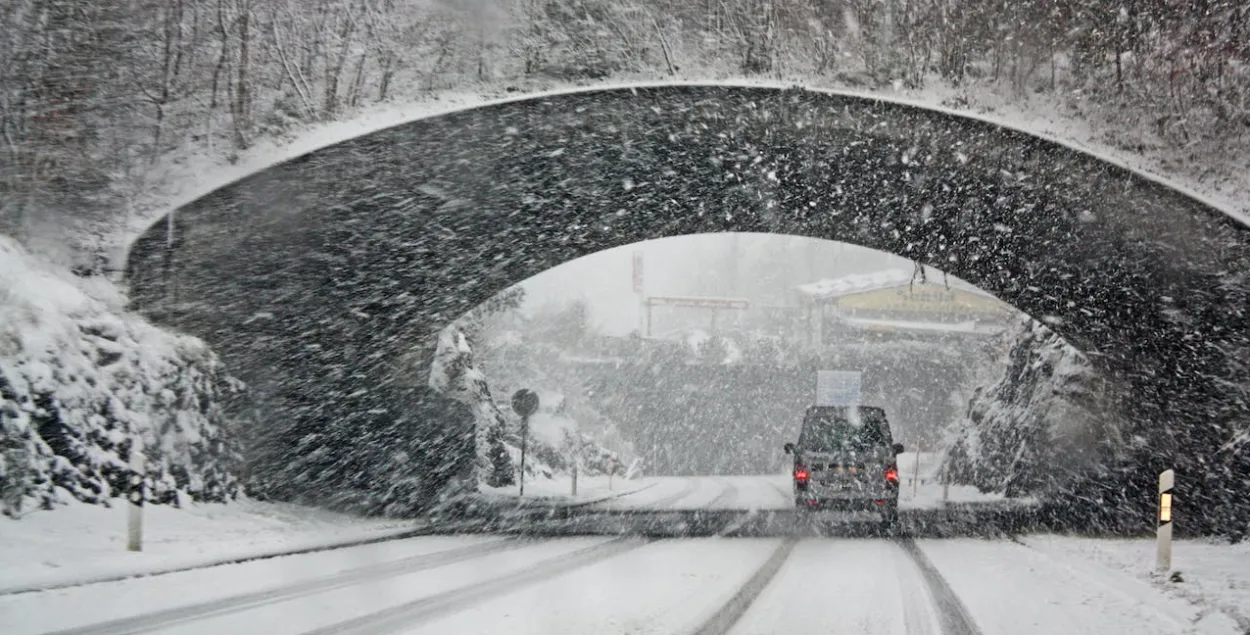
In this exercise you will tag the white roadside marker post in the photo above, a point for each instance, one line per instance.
(1163, 552)
(134, 526)
(915, 476)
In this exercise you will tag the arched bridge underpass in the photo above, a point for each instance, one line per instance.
(313, 278)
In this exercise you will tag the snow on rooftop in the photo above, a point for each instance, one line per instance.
(885, 279)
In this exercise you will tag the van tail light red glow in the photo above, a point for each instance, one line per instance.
(800, 474)
(891, 475)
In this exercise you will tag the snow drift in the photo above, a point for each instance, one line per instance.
(81, 380)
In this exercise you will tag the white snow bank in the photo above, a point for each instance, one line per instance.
(552, 429)
(1214, 576)
(82, 542)
(81, 380)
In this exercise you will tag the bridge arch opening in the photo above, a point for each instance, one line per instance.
(697, 355)
(313, 276)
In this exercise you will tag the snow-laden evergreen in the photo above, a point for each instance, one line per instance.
(81, 380)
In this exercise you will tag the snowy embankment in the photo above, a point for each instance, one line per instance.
(81, 543)
(1040, 425)
(82, 381)
(1213, 576)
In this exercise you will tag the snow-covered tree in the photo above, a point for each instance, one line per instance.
(84, 385)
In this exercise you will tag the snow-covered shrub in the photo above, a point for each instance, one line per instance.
(1044, 422)
(81, 380)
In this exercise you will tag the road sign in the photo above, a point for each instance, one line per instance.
(838, 387)
(637, 272)
(524, 402)
(699, 303)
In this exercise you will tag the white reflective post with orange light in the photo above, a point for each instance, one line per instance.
(1163, 553)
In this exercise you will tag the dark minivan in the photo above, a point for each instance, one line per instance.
(846, 458)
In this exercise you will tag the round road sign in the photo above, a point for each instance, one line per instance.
(525, 402)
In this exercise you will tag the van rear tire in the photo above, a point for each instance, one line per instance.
(889, 516)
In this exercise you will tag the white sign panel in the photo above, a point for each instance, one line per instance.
(700, 303)
(838, 387)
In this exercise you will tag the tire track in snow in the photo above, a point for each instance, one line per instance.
(244, 601)
(727, 497)
(786, 497)
(687, 489)
(730, 612)
(919, 618)
(952, 615)
(420, 611)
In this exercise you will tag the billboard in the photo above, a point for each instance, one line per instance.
(925, 300)
(699, 303)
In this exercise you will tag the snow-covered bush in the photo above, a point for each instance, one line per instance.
(81, 380)
(1044, 422)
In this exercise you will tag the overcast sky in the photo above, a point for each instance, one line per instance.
(759, 267)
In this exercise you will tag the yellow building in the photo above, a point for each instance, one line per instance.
(893, 302)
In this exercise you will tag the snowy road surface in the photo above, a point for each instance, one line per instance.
(484, 584)
(919, 489)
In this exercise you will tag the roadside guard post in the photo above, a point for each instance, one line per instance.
(134, 526)
(524, 403)
(1163, 554)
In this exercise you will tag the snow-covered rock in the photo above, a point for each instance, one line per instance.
(1042, 423)
(454, 375)
(82, 380)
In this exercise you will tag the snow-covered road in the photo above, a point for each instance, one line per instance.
(919, 489)
(488, 584)
(778, 581)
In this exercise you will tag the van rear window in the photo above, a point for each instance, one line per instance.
(844, 429)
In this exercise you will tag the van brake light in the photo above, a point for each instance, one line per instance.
(891, 475)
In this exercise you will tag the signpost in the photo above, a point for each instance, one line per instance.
(524, 403)
(838, 387)
(1163, 548)
(134, 525)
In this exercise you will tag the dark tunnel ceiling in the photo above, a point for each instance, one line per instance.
(355, 253)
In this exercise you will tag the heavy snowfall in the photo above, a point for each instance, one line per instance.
(276, 277)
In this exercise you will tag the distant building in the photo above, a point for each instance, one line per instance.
(893, 304)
